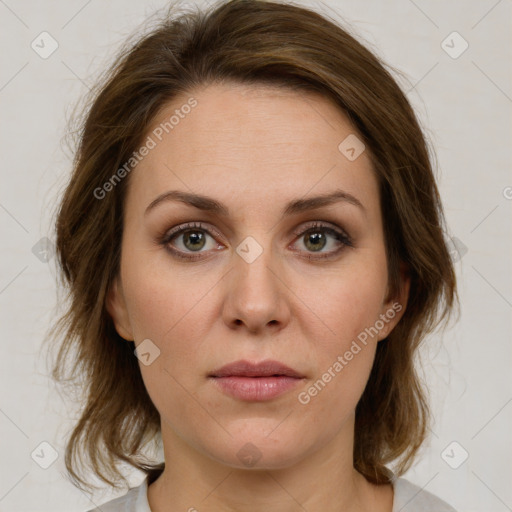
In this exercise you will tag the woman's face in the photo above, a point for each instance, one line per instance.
(282, 259)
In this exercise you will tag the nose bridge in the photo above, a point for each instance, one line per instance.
(256, 293)
(253, 267)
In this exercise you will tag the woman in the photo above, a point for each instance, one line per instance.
(253, 242)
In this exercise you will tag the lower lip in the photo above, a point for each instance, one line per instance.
(256, 388)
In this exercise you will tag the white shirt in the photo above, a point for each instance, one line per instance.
(407, 498)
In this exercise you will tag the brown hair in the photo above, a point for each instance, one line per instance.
(260, 42)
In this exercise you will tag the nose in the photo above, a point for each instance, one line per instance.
(256, 296)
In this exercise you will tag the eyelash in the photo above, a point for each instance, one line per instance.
(312, 227)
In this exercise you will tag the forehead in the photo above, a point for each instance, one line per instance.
(251, 143)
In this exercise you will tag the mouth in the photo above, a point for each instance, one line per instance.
(256, 381)
(266, 368)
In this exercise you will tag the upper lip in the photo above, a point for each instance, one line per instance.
(265, 368)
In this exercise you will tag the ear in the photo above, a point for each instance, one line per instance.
(116, 307)
(394, 306)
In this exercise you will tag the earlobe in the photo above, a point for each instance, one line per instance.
(394, 307)
(116, 307)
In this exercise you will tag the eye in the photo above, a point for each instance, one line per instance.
(317, 236)
(185, 240)
(189, 238)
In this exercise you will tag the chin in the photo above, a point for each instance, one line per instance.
(259, 449)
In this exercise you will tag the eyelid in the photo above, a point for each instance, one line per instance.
(320, 224)
(343, 238)
(212, 230)
(192, 225)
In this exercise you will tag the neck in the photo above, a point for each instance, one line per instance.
(325, 480)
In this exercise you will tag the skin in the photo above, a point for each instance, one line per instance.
(255, 148)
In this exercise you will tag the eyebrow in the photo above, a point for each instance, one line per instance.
(296, 206)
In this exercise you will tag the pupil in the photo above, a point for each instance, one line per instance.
(194, 237)
(194, 240)
(316, 237)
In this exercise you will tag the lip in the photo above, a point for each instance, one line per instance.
(267, 368)
(256, 381)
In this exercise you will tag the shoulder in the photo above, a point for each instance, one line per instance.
(411, 498)
(135, 500)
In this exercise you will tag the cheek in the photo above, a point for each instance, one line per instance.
(168, 310)
(174, 310)
(343, 366)
(351, 303)
(350, 306)
(161, 302)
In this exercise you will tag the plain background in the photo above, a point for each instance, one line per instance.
(464, 104)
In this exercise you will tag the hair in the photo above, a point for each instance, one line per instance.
(262, 43)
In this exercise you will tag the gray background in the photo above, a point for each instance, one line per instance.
(464, 103)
